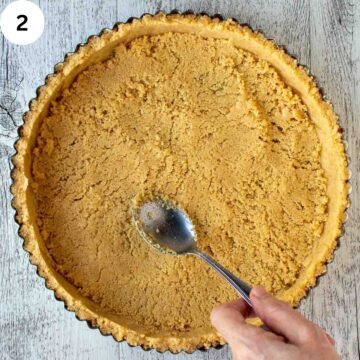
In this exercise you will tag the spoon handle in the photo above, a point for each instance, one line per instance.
(240, 286)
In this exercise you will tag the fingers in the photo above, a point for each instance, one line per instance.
(238, 305)
(292, 336)
(281, 318)
(229, 320)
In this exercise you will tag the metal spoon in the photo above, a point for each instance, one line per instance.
(168, 229)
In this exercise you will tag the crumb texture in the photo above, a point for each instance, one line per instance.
(206, 124)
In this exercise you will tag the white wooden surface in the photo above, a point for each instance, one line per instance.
(324, 35)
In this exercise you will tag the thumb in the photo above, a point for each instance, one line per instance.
(281, 318)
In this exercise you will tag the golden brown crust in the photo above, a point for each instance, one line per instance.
(22, 158)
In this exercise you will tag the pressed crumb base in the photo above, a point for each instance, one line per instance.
(203, 122)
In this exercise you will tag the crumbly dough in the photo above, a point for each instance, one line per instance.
(204, 123)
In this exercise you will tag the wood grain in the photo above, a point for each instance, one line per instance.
(323, 35)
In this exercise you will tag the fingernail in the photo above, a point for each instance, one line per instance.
(259, 292)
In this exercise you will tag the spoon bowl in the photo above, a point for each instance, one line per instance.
(164, 226)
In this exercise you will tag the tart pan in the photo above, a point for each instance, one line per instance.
(57, 69)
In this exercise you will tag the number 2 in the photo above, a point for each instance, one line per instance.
(20, 26)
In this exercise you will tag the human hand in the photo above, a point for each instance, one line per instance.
(291, 336)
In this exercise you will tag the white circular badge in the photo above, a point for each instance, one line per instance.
(22, 22)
